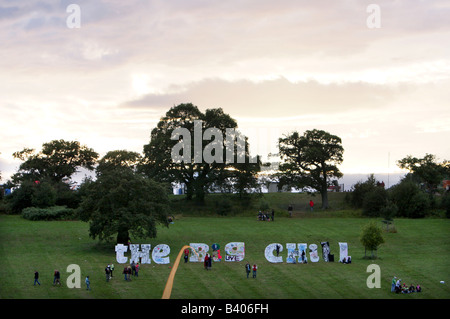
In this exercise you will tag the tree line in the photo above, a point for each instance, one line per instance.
(130, 190)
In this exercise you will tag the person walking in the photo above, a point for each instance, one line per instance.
(107, 273)
(88, 283)
(36, 278)
(254, 270)
(247, 268)
(56, 278)
(111, 269)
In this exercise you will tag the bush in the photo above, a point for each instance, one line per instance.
(360, 191)
(389, 211)
(224, 207)
(374, 202)
(49, 213)
(411, 201)
(445, 204)
(371, 237)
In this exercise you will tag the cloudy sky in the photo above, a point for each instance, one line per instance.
(380, 82)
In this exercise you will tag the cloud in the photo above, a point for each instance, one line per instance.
(271, 98)
(275, 66)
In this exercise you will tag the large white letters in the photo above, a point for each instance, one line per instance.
(313, 255)
(235, 251)
(120, 250)
(268, 253)
(160, 253)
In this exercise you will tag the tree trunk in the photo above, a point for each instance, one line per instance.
(122, 236)
(324, 194)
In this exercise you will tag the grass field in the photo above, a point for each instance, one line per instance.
(418, 253)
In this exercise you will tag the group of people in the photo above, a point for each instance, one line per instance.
(398, 287)
(249, 268)
(291, 208)
(56, 278)
(131, 270)
(263, 216)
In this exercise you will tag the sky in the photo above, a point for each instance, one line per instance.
(376, 76)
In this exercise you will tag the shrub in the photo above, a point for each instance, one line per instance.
(49, 213)
(389, 211)
(360, 191)
(411, 201)
(445, 204)
(374, 202)
(371, 237)
(224, 207)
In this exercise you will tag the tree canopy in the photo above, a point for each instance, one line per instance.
(122, 201)
(427, 170)
(311, 160)
(56, 160)
(206, 162)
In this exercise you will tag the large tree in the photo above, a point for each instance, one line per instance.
(56, 160)
(311, 160)
(122, 202)
(197, 150)
(426, 170)
(118, 159)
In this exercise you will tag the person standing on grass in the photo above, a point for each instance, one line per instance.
(186, 255)
(136, 271)
(88, 283)
(107, 273)
(311, 205)
(394, 280)
(36, 278)
(254, 270)
(125, 272)
(247, 269)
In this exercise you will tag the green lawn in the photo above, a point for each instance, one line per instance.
(418, 253)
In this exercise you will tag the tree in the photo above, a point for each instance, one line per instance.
(56, 160)
(371, 238)
(311, 160)
(185, 125)
(361, 189)
(118, 159)
(374, 202)
(412, 202)
(120, 202)
(427, 170)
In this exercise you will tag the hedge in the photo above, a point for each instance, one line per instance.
(49, 213)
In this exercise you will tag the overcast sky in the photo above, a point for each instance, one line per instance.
(274, 66)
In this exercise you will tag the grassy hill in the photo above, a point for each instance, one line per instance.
(418, 253)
